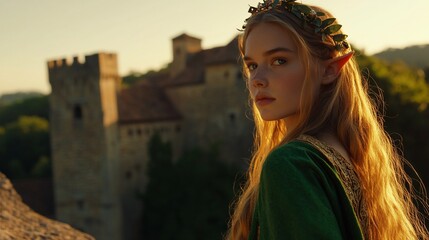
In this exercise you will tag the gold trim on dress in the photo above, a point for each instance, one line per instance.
(348, 177)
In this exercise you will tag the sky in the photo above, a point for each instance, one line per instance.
(140, 31)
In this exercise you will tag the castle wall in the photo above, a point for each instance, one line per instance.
(134, 139)
(83, 135)
(216, 112)
(189, 101)
(227, 109)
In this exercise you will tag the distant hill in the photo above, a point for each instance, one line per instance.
(10, 98)
(416, 56)
(32, 106)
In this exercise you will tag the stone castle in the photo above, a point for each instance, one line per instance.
(100, 130)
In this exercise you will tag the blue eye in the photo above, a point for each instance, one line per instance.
(279, 61)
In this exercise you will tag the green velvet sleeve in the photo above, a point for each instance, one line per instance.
(297, 200)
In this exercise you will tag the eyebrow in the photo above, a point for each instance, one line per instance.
(270, 52)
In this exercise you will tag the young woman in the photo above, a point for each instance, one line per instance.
(323, 167)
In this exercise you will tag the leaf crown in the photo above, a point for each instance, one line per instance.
(327, 27)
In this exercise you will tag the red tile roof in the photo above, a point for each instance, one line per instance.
(194, 73)
(145, 102)
(227, 54)
(148, 102)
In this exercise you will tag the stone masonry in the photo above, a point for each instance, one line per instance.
(18, 221)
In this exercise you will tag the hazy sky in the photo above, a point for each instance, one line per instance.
(140, 31)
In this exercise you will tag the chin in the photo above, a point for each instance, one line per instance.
(274, 117)
(270, 118)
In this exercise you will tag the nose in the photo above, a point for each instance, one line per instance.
(259, 79)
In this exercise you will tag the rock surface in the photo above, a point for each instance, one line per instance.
(18, 221)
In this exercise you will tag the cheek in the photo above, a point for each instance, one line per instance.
(291, 82)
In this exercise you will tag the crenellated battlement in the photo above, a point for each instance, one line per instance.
(66, 62)
(95, 65)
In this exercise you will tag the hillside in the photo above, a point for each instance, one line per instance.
(416, 56)
(10, 98)
(26, 106)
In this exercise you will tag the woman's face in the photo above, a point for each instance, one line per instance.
(276, 72)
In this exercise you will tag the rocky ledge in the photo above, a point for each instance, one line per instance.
(18, 221)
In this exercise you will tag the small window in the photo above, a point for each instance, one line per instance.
(232, 117)
(77, 112)
(139, 131)
(130, 132)
(178, 128)
(177, 51)
(80, 204)
(226, 74)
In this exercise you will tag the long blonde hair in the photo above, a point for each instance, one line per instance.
(350, 113)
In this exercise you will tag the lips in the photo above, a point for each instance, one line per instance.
(262, 99)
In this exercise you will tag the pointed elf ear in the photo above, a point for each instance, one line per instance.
(333, 67)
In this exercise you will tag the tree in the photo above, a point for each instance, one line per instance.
(25, 148)
(34, 106)
(188, 199)
(406, 94)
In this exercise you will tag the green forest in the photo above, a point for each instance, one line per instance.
(24, 138)
(193, 196)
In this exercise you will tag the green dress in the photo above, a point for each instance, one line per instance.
(303, 194)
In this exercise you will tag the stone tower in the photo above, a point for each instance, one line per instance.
(183, 46)
(84, 141)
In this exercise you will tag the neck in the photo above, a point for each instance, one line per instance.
(291, 122)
